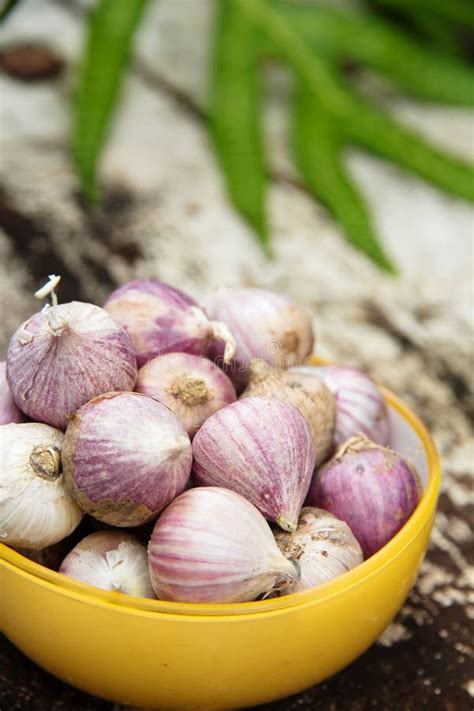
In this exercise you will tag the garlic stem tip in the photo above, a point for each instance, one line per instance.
(46, 289)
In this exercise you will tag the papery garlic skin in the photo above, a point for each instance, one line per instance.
(265, 325)
(125, 457)
(212, 545)
(264, 450)
(360, 406)
(312, 398)
(323, 546)
(161, 319)
(191, 386)
(35, 508)
(65, 355)
(9, 412)
(110, 560)
(370, 487)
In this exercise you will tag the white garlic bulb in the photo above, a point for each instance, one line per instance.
(323, 546)
(35, 509)
(111, 560)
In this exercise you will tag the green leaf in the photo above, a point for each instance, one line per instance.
(6, 7)
(439, 33)
(363, 124)
(235, 107)
(457, 11)
(339, 35)
(110, 30)
(374, 130)
(311, 68)
(357, 122)
(318, 149)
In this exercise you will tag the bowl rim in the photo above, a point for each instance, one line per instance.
(421, 517)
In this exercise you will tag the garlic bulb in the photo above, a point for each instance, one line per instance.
(212, 545)
(265, 325)
(110, 560)
(312, 398)
(35, 508)
(264, 450)
(191, 386)
(65, 355)
(360, 407)
(323, 546)
(125, 457)
(370, 487)
(9, 412)
(161, 319)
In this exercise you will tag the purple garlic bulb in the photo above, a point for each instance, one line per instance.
(191, 386)
(9, 412)
(265, 325)
(360, 407)
(370, 487)
(125, 457)
(264, 450)
(161, 319)
(212, 545)
(65, 355)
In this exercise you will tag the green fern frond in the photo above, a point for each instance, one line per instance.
(460, 12)
(436, 31)
(374, 130)
(110, 29)
(235, 109)
(312, 41)
(360, 37)
(318, 149)
(356, 121)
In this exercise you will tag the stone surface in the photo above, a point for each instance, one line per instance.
(165, 215)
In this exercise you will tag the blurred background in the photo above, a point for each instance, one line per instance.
(322, 149)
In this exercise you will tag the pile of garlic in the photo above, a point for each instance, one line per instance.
(172, 451)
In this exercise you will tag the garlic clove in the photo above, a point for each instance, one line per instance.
(9, 412)
(65, 355)
(370, 487)
(212, 545)
(360, 407)
(125, 457)
(191, 386)
(35, 508)
(261, 448)
(312, 398)
(161, 319)
(110, 560)
(323, 547)
(265, 325)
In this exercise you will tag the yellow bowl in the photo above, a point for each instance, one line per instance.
(189, 656)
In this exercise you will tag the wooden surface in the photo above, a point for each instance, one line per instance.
(164, 215)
